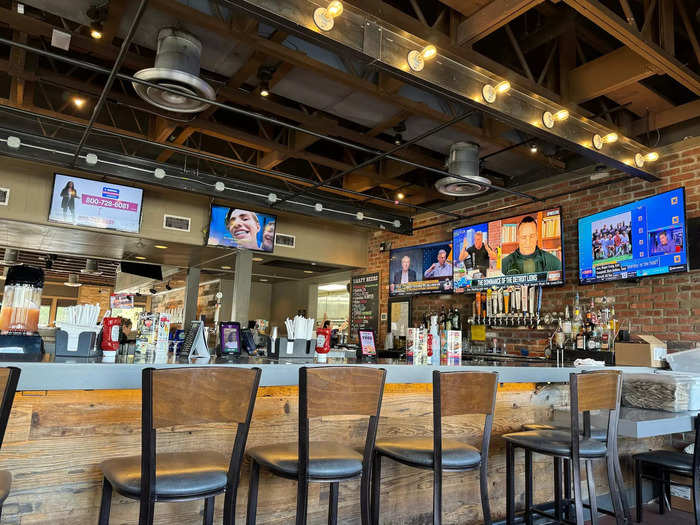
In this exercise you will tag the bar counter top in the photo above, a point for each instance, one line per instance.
(75, 373)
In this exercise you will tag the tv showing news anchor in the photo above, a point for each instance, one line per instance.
(238, 228)
(96, 204)
(524, 249)
(423, 269)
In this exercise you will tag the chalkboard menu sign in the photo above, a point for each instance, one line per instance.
(364, 303)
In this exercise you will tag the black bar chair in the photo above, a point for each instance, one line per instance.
(185, 396)
(663, 463)
(9, 377)
(325, 391)
(600, 434)
(589, 392)
(454, 393)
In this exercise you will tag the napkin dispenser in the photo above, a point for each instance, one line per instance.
(284, 348)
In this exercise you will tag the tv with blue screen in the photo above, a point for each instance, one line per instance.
(642, 238)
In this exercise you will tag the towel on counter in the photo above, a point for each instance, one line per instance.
(588, 362)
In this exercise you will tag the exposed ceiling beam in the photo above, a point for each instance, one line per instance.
(491, 17)
(617, 27)
(666, 118)
(610, 72)
(305, 62)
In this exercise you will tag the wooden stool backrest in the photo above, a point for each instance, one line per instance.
(341, 390)
(200, 395)
(465, 392)
(599, 390)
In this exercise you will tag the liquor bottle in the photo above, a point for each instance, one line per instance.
(442, 318)
(566, 324)
(577, 324)
(456, 321)
(448, 320)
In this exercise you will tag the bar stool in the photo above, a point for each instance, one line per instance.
(599, 434)
(454, 393)
(185, 396)
(325, 391)
(9, 377)
(669, 462)
(588, 391)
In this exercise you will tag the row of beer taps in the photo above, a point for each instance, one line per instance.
(517, 305)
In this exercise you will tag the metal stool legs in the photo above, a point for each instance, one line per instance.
(106, 503)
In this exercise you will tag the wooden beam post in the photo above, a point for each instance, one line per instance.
(490, 18)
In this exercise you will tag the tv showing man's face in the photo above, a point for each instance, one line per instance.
(478, 240)
(442, 256)
(527, 238)
(244, 228)
(405, 264)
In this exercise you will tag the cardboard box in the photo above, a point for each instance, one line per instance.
(645, 350)
(681, 497)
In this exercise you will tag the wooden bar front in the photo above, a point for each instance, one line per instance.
(56, 440)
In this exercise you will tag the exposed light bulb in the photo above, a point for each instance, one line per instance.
(503, 86)
(264, 89)
(561, 115)
(272, 198)
(416, 59)
(610, 138)
(96, 33)
(489, 93)
(360, 216)
(318, 207)
(323, 16)
(397, 223)
(78, 102)
(91, 159)
(652, 156)
(219, 186)
(159, 173)
(400, 196)
(13, 142)
(533, 148)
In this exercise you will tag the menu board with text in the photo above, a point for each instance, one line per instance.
(364, 303)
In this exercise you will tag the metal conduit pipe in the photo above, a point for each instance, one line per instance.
(251, 114)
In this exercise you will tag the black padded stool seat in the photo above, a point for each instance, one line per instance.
(668, 459)
(5, 484)
(178, 475)
(555, 442)
(327, 460)
(596, 433)
(419, 452)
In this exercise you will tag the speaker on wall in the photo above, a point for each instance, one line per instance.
(151, 271)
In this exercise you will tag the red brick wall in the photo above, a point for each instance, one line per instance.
(668, 306)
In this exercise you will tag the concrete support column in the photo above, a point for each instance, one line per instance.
(241, 287)
(226, 310)
(191, 294)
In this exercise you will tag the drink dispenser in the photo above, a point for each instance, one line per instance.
(21, 300)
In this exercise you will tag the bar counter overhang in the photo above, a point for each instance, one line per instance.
(68, 417)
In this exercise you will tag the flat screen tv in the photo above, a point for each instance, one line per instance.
(524, 249)
(239, 228)
(424, 269)
(94, 203)
(642, 238)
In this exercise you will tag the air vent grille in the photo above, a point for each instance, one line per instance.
(173, 222)
(287, 241)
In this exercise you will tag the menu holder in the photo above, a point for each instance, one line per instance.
(368, 346)
(195, 343)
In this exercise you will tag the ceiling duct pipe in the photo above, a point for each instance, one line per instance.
(176, 67)
(463, 161)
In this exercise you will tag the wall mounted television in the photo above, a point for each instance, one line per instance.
(642, 238)
(238, 228)
(95, 203)
(523, 249)
(422, 269)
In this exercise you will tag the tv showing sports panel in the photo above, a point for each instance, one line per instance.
(642, 238)
(423, 269)
(525, 249)
(94, 203)
(239, 228)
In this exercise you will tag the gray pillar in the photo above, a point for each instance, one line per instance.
(241, 287)
(191, 293)
(226, 310)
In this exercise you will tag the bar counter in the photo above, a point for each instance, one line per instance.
(70, 416)
(75, 373)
